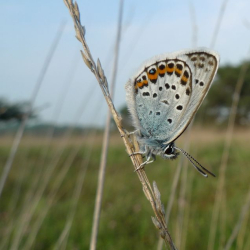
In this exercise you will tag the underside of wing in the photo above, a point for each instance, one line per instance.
(166, 93)
(205, 65)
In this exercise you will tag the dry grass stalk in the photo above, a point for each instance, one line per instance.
(223, 221)
(30, 207)
(57, 181)
(62, 241)
(56, 114)
(100, 185)
(52, 196)
(182, 196)
(33, 198)
(181, 206)
(15, 225)
(225, 155)
(152, 194)
(175, 183)
(187, 208)
(242, 233)
(242, 217)
(171, 199)
(218, 23)
(103, 163)
(134, 42)
(12, 207)
(21, 128)
(30, 196)
(194, 25)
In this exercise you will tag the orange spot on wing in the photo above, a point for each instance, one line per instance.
(185, 79)
(140, 84)
(154, 76)
(162, 71)
(178, 70)
(169, 70)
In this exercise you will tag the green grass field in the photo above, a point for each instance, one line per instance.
(126, 214)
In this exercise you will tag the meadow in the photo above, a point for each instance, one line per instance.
(48, 193)
(49, 196)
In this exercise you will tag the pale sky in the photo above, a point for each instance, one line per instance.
(27, 29)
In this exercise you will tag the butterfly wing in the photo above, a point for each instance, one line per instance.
(205, 65)
(166, 93)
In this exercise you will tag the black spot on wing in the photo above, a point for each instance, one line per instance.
(179, 66)
(186, 74)
(210, 63)
(167, 86)
(202, 58)
(162, 70)
(170, 69)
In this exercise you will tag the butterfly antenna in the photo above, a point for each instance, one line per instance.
(193, 161)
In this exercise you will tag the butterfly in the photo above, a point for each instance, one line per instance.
(163, 97)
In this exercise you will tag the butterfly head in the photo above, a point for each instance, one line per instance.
(169, 151)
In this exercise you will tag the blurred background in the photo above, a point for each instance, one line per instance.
(52, 118)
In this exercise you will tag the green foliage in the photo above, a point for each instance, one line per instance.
(16, 111)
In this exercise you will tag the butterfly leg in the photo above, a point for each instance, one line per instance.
(143, 151)
(133, 132)
(130, 133)
(138, 153)
(148, 161)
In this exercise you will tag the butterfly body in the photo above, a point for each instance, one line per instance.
(164, 95)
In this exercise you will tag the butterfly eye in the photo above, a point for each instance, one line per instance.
(169, 150)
